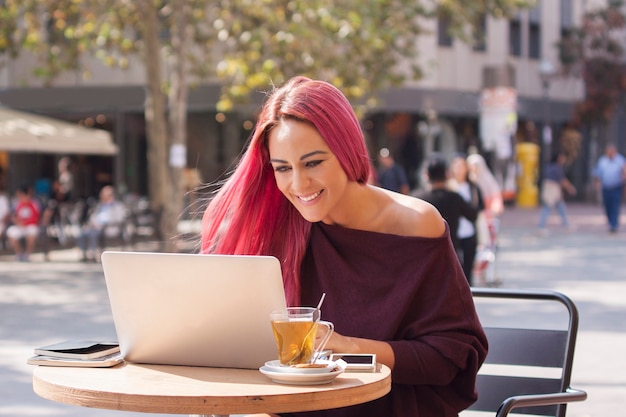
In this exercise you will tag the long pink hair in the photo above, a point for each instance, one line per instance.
(249, 215)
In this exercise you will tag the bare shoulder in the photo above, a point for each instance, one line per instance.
(425, 220)
(411, 216)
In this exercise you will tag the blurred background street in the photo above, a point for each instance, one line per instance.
(587, 264)
(44, 302)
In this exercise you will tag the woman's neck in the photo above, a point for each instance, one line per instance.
(359, 208)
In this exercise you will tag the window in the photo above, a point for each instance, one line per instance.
(515, 37)
(534, 32)
(534, 41)
(567, 17)
(443, 31)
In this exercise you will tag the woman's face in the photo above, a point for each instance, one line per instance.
(306, 170)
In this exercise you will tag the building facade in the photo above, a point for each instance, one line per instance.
(440, 113)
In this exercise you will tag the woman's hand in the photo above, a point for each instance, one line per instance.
(345, 344)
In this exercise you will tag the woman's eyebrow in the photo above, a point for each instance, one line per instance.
(305, 156)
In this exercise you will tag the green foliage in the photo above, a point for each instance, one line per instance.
(13, 16)
(464, 16)
(362, 47)
(354, 45)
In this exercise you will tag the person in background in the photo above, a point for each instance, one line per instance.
(552, 186)
(449, 203)
(385, 261)
(480, 174)
(63, 196)
(43, 189)
(610, 176)
(107, 217)
(5, 214)
(487, 223)
(65, 181)
(391, 175)
(470, 192)
(25, 224)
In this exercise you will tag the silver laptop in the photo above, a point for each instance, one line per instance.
(196, 310)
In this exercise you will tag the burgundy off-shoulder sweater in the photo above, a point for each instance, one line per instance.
(410, 292)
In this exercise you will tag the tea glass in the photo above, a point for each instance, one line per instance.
(295, 331)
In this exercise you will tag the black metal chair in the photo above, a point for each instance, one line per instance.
(529, 365)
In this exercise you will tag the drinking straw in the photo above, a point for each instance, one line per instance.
(319, 305)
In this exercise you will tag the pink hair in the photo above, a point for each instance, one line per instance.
(249, 215)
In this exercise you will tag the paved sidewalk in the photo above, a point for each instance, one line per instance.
(44, 302)
(588, 264)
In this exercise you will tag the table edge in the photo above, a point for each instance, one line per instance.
(152, 403)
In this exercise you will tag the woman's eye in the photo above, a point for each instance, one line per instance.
(311, 164)
(281, 168)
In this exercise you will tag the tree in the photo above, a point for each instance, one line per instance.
(115, 30)
(362, 47)
(595, 52)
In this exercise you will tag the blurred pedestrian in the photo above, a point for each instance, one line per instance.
(552, 186)
(480, 174)
(62, 199)
(610, 177)
(65, 180)
(5, 214)
(25, 224)
(391, 175)
(106, 219)
(488, 219)
(466, 188)
(449, 203)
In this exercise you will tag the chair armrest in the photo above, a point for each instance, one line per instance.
(570, 395)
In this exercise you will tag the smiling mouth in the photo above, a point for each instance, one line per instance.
(310, 197)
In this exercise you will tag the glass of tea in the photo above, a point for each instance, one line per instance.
(295, 330)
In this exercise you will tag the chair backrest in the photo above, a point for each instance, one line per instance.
(532, 335)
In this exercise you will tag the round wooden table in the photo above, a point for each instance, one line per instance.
(196, 390)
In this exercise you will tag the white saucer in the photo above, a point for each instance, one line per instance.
(293, 378)
(275, 366)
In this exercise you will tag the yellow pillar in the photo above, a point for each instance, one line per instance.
(528, 162)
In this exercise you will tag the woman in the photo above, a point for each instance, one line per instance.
(487, 222)
(466, 232)
(393, 284)
(553, 183)
(480, 174)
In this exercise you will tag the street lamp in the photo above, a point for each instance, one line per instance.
(546, 73)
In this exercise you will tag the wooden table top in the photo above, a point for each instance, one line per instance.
(197, 390)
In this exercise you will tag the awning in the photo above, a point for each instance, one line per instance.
(27, 132)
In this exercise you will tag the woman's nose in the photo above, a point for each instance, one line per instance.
(300, 180)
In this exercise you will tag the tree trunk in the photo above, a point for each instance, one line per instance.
(156, 125)
(178, 93)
